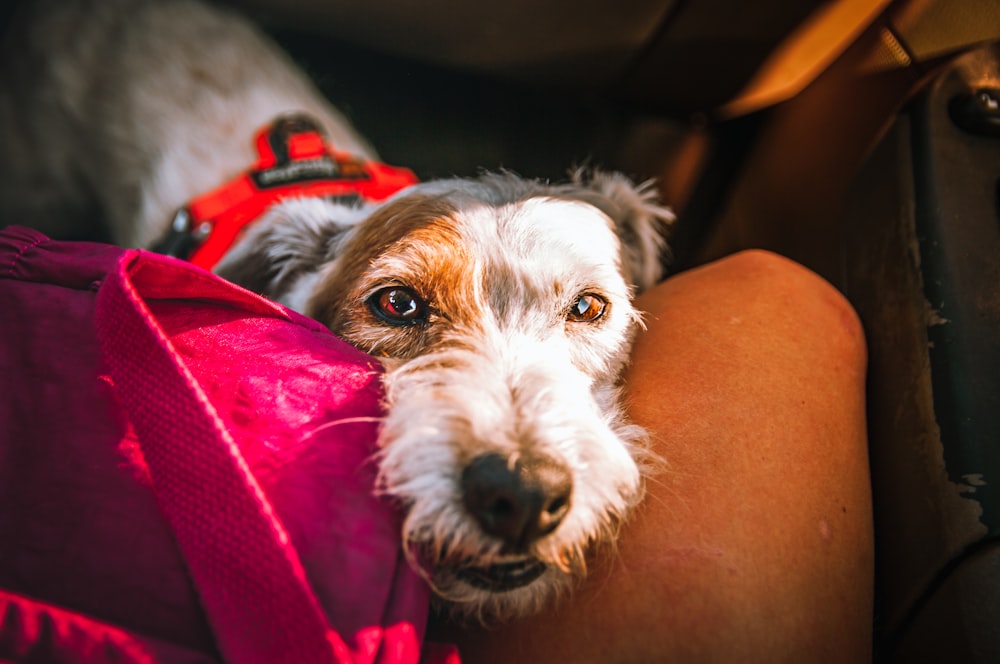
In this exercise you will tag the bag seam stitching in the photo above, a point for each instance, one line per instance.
(20, 255)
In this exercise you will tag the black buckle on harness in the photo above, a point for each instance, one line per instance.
(181, 239)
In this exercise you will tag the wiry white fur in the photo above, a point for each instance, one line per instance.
(640, 217)
(129, 108)
(518, 379)
(437, 417)
(527, 384)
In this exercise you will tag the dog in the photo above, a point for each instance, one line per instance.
(501, 307)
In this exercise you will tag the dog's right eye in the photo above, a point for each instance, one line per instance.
(587, 308)
(398, 305)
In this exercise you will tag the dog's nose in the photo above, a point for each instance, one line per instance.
(516, 503)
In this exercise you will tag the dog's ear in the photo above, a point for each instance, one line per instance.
(291, 240)
(641, 221)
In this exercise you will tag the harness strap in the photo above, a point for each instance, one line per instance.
(294, 160)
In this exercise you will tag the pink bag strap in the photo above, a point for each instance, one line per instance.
(251, 582)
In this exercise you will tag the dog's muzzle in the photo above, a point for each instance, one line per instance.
(517, 501)
(503, 576)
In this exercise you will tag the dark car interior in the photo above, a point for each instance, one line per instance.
(858, 137)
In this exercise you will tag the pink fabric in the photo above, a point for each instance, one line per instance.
(190, 465)
(34, 631)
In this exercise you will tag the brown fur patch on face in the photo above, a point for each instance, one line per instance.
(413, 242)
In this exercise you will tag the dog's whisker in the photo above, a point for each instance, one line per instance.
(337, 423)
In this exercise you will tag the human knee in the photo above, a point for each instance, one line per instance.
(803, 294)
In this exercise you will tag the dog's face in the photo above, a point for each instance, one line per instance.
(502, 311)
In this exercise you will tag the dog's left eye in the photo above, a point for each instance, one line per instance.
(397, 305)
(587, 308)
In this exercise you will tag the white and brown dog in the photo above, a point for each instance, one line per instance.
(501, 307)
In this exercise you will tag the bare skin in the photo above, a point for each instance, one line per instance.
(754, 541)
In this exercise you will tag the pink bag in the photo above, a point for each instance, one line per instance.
(186, 473)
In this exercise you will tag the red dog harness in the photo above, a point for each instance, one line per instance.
(294, 160)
